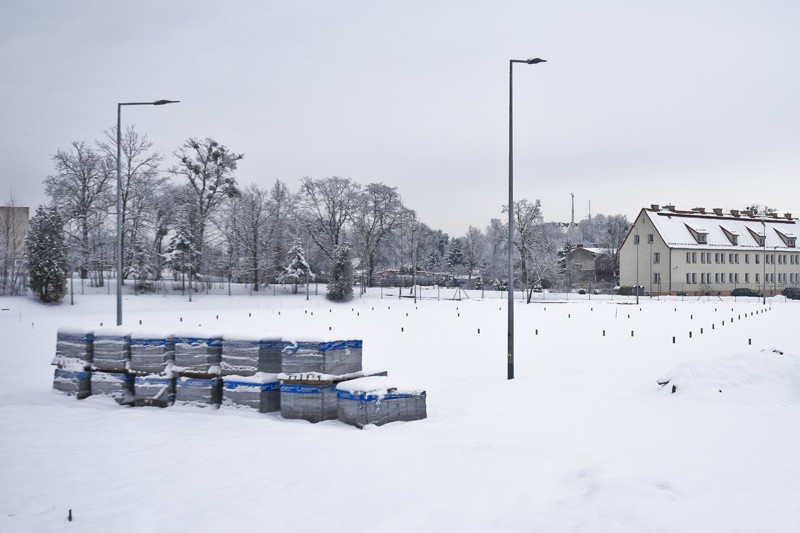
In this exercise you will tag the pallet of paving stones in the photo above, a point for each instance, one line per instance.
(76, 383)
(152, 351)
(325, 356)
(261, 392)
(311, 396)
(115, 385)
(112, 349)
(378, 400)
(198, 392)
(74, 348)
(198, 353)
(154, 390)
(247, 354)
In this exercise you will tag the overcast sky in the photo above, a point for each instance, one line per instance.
(691, 102)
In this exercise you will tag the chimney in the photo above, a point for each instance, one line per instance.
(670, 207)
(749, 213)
(701, 210)
(654, 207)
(735, 212)
(718, 211)
(788, 216)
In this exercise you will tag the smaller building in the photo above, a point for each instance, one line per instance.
(590, 264)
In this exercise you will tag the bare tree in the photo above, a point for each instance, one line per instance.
(327, 206)
(80, 190)
(473, 249)
(139, 182)
(376, 215)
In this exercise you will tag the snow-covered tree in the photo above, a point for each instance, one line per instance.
(12, 245)
(47, 255)
(473, 249)
(340, 285)
(455, 255)
(208, 168)
(327, 206)
(377, 213)
(295, 271)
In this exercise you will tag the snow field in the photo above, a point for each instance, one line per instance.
(584, 439)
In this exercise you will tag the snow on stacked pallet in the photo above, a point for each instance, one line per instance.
(312, 396)
(260, 391)
(74, 348)
(324, 356)
(197, 354)
(73, 382)
(198, 392)
(244, 354)
(378, 400)
(115, 385)
(155, 390)
(112, 349)
(152, 351)
(73, 359)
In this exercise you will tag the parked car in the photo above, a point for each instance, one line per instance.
(746, 292)
(793, 293)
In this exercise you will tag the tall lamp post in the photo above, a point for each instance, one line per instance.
(511, 62)
(119, 197)
(636, 242)
(764, 265)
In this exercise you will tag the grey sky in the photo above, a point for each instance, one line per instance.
(688, 102)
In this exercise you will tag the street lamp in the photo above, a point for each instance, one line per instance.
(119, 197)
(764, 265)
(636, 242)
(511, 62)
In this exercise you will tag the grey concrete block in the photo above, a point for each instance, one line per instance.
(360, 409)
(74, 349)
(263, 397)
(198, 392)
(118, 386)
(198, 355)
(333, 357)
(73, 383)
(314, 403)
(246, 357)
(155, 391)
(111, 352)
(151, 356)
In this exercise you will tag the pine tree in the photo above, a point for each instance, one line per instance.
(340, 285)
(455, 256)
(47, 255)
(295, 271)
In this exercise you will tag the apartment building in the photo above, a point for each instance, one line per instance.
(700, 251)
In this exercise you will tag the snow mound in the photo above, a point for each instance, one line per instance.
(376, 386)
(757, 378)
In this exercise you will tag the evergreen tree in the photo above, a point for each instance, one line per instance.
(295, 271)
(455, 256)
(47, 255)
(340, 286)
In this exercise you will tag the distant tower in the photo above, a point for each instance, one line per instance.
(572, 220)
(590, 210)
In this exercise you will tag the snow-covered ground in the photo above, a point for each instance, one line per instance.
(584, 439)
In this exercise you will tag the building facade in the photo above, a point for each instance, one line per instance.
(700, 251)
(590, 265)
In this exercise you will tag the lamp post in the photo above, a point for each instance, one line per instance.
(764, 265)
(650, 244)
(636, 242)
(774, 272)
(119, 197)
(511, 62)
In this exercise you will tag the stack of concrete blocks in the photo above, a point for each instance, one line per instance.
(197, 362)
(378, 401)
(261, 391)
(115, 385)
(335, 357)
(73, 361)
(152, 357)
(110, 364)
(250, 366)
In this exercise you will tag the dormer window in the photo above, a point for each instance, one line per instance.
(700, 235)
(788, 238)
(732, 236)
(757, 237)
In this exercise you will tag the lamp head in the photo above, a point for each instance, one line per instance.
(534, 60)
(162, 102)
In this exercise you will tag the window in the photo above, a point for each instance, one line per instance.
(736, 256)
(656, 257)
(636, 239)
(688, 278)
(656, 277)
(702, 238)
(746, 277)
(694, 257)
(730, 278)
(722, 258)
(730, 258)
(703, 278)
(716, 258)
(747, 258)
(688, 257)
(758, 259)
(736, 278)
(716, 277)
(792, 242)
(649, 238)
(702, 257)
(694, 278)
(757, 281)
